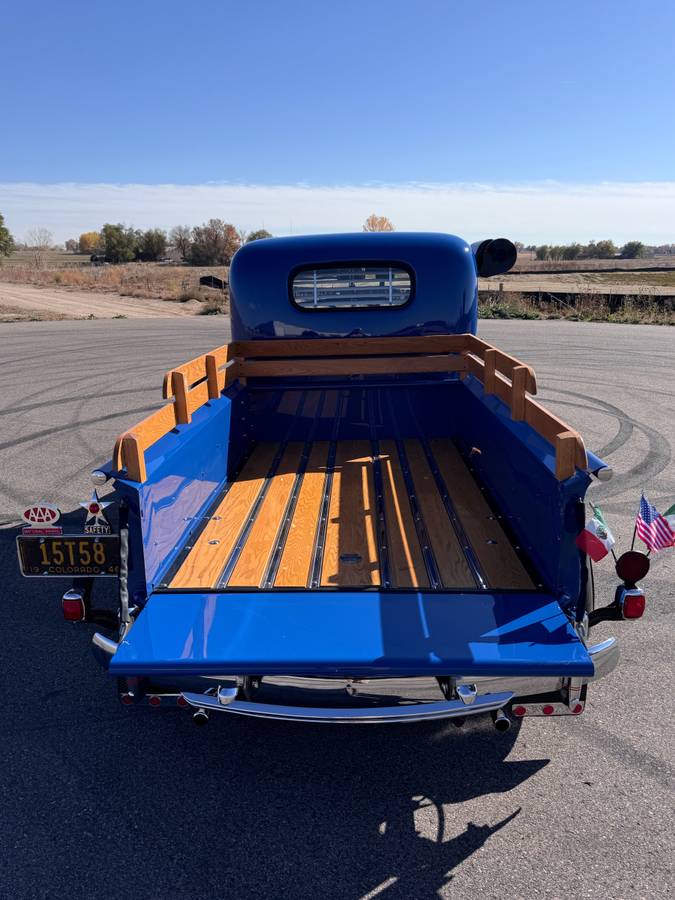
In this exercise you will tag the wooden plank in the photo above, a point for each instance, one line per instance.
(406, 562)
(519, 386)
(452, 565)
(311, 404)
(330, 405)
(249, 570)
(494, 552)
(146, 432)
(287, 349)
(350, 554)
(289, 402)
(504, 363)
(489, 372)
(550, 426)
(206, 560)
(212, 376)
(296, 558)
(565, 454)
(180, 388)
(134, 457)
(195, 369)
(351, 366)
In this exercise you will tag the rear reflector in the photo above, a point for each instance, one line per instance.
(632, 602)
(73, 607)
(155, 700)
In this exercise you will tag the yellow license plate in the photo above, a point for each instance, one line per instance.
(69, 556)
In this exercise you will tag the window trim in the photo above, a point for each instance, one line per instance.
(347, 263)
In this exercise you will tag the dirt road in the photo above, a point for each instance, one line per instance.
(26, 301)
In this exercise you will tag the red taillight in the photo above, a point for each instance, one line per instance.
(548, 710)
(155, 700)
(127, 699)
(519, 711)
(73, 607)
(632, 604)
(181, 701)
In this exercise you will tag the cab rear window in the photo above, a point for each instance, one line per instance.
(368, 286)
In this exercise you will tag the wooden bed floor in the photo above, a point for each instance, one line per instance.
(351, 514)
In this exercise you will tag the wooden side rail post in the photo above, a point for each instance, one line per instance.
(180, 390)
(519, 380)
(565, 454)
(489, 372)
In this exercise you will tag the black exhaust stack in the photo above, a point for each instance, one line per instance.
(494, 256)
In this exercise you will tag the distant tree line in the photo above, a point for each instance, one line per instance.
(212, 244)
(599, 250)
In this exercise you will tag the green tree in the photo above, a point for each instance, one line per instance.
(633, 250)
(258, 235)
(153, 244)
(6, 239)
(572, 251)
(605, 249)
(213, 244)
(121, 244)
(542, 251)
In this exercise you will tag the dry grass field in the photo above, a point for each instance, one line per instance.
(52, 259)
(580, 289)
(527, 262)
(141, 280)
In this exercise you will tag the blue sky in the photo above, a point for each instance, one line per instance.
(369, 93)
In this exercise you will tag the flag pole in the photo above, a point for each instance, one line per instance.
(632, 543)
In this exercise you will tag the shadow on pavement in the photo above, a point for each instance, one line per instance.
(102, 800)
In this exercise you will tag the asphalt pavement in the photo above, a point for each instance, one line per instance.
(101, 801)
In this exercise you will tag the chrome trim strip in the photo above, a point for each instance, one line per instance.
(417, 712)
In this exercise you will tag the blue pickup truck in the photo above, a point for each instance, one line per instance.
(355, 512)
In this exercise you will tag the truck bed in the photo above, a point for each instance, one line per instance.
(387, 514)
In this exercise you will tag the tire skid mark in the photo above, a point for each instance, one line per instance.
(621, 749)
(59, 428)
(59, 402)
(657, 459)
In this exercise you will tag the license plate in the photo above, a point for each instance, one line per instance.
(68, 556)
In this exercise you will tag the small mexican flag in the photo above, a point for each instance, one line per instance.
(669, 516)
(596, 539)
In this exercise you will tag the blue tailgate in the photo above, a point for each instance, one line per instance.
(351, 633)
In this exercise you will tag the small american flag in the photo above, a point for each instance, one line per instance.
(652, 528)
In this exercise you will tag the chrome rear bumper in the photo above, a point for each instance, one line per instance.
(393, 700)
(415, 712)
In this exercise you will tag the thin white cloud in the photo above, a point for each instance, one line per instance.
(550, 212)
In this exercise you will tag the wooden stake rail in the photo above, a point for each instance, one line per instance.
(194, 383)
